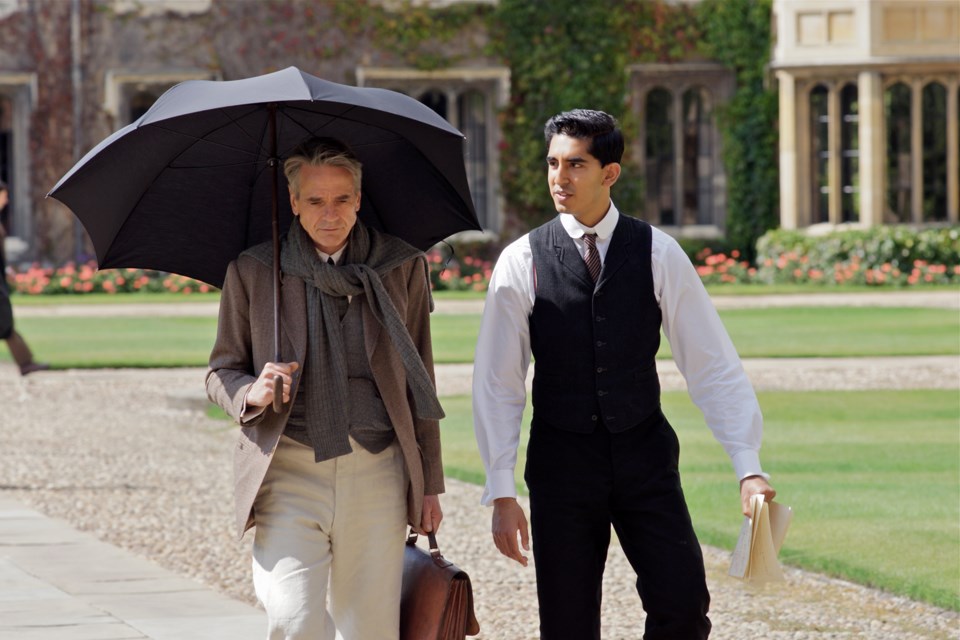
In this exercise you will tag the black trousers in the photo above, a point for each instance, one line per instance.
(579, 485)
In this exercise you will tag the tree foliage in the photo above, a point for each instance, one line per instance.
(572, 56)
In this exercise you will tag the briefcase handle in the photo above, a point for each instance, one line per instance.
(412, 538)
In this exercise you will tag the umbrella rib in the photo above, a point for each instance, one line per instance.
(231, 121)
(331, 118)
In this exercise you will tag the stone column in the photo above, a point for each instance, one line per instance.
(953, 153)
(834, 200)
(678, 124)
(872, 149)
(789, 203)
(916, 151)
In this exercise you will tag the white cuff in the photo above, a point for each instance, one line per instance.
(747, 463)
(500, 484)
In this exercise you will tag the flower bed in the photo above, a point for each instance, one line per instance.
(882, 257)
(77, 279)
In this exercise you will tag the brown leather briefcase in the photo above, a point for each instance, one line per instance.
(436, 602)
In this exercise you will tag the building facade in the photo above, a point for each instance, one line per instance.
(869, 109)
(869, 101)
(74, 71)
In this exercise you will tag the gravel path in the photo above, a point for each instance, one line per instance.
(111, 453)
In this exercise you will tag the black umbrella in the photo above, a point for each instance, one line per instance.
(194, 181)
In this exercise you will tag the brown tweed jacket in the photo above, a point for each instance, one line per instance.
(245, 343)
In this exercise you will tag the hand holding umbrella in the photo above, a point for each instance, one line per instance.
(273, 385)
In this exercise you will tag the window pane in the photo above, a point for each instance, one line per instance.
(934, 100)
(896, 104)
(437, 101)
(849, 154)
(819, 155)
(472, 113)
(140, 103)
(697, 159)
(660, 207)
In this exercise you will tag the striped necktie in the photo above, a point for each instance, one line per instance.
(590, 256)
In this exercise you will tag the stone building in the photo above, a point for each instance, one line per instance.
(869, 110)
(868, 100)
(73, 71)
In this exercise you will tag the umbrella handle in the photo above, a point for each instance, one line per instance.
(277, 394)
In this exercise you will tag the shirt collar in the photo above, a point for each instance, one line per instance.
(335, 256)
(603, 229)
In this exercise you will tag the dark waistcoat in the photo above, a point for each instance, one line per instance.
(594, 346)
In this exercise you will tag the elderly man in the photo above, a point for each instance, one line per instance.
(332, 480)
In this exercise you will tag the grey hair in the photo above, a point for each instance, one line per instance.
(321, 152)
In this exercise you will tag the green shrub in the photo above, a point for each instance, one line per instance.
(890, 255)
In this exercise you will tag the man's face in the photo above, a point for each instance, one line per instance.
(4, 198)
(578, 184)
(327, 205)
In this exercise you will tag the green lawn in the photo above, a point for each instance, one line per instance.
(873, 479)
(80, 342)
(789, 332)
(772, 333)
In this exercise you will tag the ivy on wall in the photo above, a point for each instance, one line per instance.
(737, 34)
(422, 36)
(572, 55)
(562, 54)
(576, 55)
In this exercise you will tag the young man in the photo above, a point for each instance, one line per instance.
(587, 294)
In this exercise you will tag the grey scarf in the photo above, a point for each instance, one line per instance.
(368, 256)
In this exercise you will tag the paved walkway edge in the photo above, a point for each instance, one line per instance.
(57, 582)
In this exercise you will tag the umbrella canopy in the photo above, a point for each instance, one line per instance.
(191, 183)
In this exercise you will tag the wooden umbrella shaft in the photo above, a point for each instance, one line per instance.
(275, 169)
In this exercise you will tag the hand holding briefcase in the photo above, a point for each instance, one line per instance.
(436, 601)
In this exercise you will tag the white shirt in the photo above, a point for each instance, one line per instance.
(700, 344)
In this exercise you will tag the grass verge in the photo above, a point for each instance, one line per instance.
(96, 342)
(872, 478)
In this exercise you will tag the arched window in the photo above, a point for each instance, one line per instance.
(849, 154)
(934, 101)
(660, 154)
(697, 158)
(472, 116)
(819, 155)
(896, 104)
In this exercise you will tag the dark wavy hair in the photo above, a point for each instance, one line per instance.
(606, 140)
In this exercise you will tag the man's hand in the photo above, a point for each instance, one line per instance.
(431, 516)
(261, 392)
(508, 521)
(749, 487)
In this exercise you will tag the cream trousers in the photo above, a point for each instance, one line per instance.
(328, 550)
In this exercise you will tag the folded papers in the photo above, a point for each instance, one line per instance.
(761, 536)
